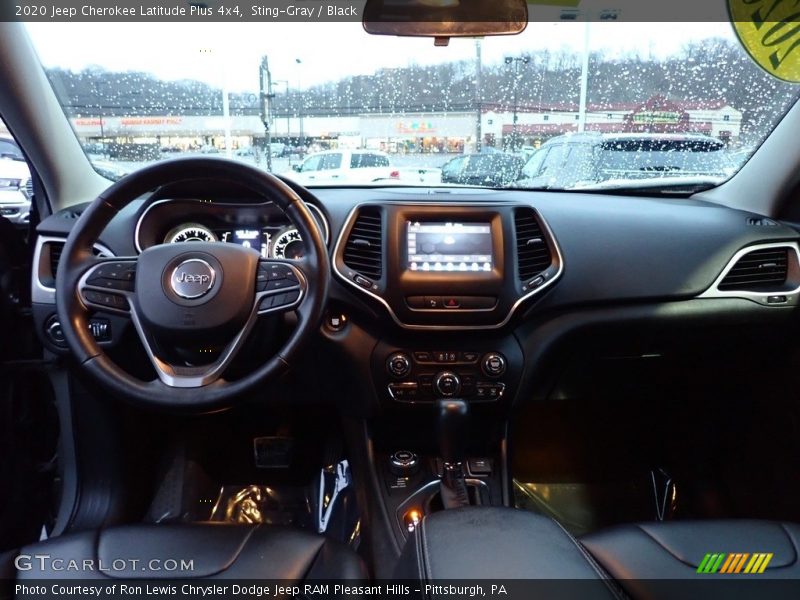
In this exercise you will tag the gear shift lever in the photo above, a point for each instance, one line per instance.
(453, 431)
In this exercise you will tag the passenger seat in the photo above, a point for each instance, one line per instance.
(633, 554)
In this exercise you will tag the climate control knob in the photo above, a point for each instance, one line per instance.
(447, 384)
(398, 364)
(494, 364)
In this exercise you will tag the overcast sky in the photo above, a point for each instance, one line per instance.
(212, 52)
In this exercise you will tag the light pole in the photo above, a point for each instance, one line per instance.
(584, 78)
(516, 61)
(265, 87)
(479, 116)
(300, 112)
(288, 117)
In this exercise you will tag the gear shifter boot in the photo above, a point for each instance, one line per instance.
(452, 487)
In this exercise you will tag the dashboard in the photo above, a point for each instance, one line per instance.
(444, 291)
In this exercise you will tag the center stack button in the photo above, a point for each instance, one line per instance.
(447, 384)
(398, 364)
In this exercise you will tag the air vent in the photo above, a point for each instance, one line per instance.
(533, 251)
(55, 256)
(758, 271)
(55, 250)
(363, 251)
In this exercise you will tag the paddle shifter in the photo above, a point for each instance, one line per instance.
(453, 431)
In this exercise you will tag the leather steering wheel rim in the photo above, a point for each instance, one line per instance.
(77, 259)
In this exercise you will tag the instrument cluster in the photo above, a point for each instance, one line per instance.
(262, 227)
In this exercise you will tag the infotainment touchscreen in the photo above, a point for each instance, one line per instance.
(454, 247)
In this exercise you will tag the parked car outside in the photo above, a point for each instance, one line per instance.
(488, 169)
(590, 159)
(344, 166)
(15, 202)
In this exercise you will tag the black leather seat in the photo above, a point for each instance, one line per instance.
(216, 551)
(675, 549)
(660, 561)
(653, 561)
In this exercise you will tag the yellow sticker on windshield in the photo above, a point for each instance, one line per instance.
(770, 32)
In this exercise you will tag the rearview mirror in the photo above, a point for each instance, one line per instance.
(445, 18)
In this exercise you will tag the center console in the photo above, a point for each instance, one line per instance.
(443, 267)
(450, 276)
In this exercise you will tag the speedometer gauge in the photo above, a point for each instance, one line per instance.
(288, 244)
(190, 232)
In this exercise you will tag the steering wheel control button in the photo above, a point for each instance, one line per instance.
(398, 364)
(276, 284)
(279, 300)
(404, 463)
(111, 284)
(447, 384)
(193, 278)
(104, 299)
(121, 271)
(494, 364)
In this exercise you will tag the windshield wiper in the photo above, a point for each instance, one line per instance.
(663, 185)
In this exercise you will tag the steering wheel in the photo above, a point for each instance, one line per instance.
(197, 295)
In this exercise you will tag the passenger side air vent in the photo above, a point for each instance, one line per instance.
(758, 271)
(364, 249)
(533, 251)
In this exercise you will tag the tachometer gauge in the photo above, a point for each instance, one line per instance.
(288, 244)
(190, 232)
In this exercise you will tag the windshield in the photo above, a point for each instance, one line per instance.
(401, 111)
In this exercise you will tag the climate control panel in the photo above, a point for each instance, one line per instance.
(427, 375)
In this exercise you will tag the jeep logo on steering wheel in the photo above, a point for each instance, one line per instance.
(192, 278)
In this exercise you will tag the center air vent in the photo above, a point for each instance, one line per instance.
(758, 271)
(364, 249)
(533, 251)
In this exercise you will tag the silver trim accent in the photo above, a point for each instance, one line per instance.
(326, 230)
(40, 293)
(792, 295)
(545, 228)
(212, 278)
(191, 377)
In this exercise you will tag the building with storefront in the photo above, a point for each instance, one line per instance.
(415, 132)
